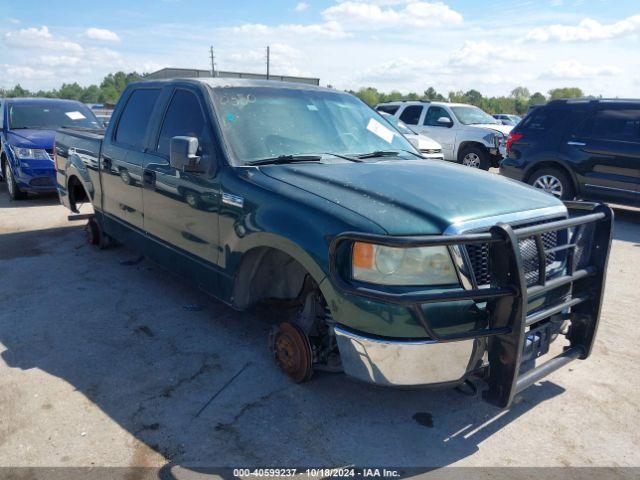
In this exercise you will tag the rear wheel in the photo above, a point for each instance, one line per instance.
(475, 157)
(14, 191)
(554, 182)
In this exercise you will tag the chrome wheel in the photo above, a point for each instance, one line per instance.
(471, 159)
(549, 184)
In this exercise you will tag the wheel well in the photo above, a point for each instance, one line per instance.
(551, 164)
(464, 145)
(77, 193)
(267, 273)
(3, 159)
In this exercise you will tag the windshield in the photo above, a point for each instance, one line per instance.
(50, 116)
(267, 122)
(402, 128)
(472, 116)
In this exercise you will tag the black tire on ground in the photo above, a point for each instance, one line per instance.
(476, 157)
(14, 191)
(553, 181)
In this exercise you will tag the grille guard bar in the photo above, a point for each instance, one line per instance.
(507, 297)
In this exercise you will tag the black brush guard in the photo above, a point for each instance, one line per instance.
(507, 297)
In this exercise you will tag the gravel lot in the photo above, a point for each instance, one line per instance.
(107, 360)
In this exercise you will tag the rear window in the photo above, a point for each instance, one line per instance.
(542, 119)
(391, 109)
(134, 120)
(411, 114)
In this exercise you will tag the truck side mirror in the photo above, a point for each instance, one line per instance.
(445, 122)
(183, 154)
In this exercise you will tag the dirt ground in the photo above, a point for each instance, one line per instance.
(107, 360)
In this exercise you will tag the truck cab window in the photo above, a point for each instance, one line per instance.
(411, 114)
(134, 120)
(184, 117)
(433, 114)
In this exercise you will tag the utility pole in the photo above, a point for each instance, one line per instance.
(213, 64)
(268, 60)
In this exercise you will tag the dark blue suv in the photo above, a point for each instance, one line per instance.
(583, 148)
(27, 131)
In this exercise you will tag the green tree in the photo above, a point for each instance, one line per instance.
(537, 99)
(369, 95)
(567, 92)
(431, 94)
(521, 93)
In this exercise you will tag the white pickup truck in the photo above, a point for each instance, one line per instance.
(467, 134)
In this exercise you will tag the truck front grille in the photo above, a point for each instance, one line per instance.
(479, 256)
(431, 150)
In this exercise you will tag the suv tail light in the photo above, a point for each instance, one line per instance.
(513, 137)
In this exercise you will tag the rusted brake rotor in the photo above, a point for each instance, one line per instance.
(292, 352)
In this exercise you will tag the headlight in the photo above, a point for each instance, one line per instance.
(30, 153)
(402, 266)
(493, 138)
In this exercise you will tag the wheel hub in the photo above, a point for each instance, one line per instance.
(549, 184)
(471, 160)
(292, 352)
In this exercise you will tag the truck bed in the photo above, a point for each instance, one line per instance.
(77, 154)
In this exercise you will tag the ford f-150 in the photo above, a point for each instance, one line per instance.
(405, 271)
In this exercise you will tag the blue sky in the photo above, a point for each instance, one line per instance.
(406, 45)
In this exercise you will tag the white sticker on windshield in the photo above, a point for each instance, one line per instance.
(313, 108)
(380, 130)
(75, 115)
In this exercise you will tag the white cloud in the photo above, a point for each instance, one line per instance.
(285, 60)
(101, 34)
(301, 7)
(59, 60)
(365, 15)
(587, 30)
(39, 38)
(485, 55)
(574, 70)
(327, 29)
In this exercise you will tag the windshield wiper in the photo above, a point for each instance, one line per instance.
(379, 153)
(281, 159)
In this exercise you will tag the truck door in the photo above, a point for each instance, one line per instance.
(120, 165)
(607, 146)
(444, 134)
(181, 208)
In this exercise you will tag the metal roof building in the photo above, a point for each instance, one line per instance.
(195, 73)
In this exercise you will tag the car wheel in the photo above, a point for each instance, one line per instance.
(554, 182)
(14, 191)
(475, 157)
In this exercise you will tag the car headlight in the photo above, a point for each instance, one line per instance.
(493, 139)
(30, 153)
(402, 266)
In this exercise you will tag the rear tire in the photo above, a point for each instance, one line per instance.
(553, 181)
(14, 191)
(475, 157)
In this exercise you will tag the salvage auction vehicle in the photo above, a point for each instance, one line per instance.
(27, 129)
(405, 271)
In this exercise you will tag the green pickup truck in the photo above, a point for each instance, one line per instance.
(402, 271)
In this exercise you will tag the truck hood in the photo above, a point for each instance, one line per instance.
(503, 129)
(27, 138)
(413, 197)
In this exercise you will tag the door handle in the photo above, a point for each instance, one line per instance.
(148, 178)
(576, 144)
(107, 162)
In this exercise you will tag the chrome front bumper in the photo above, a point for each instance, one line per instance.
(403, 363)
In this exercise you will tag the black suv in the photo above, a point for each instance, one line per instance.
(581, 148)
